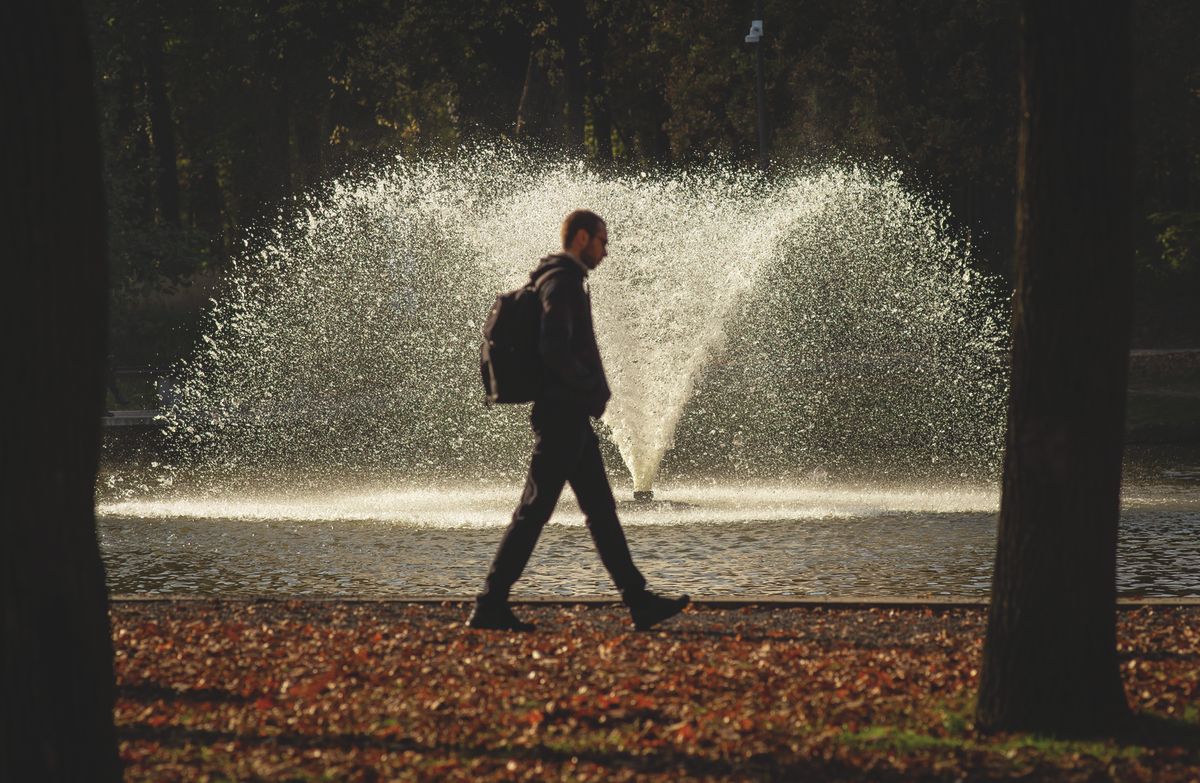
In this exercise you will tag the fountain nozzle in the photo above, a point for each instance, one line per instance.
(643, 495)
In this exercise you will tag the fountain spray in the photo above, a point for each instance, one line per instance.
(748, 328)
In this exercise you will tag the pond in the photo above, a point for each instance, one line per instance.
(709, 540)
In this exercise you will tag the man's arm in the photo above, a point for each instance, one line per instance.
(561, 297)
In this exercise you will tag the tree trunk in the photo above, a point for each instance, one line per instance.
(260, 181)
(1049, 661)
(520, 126)
(162, 126)
(653, 142)
(571, 17)
(280, 139)
(55, 648)
(207, 201)
(602, 130)
(307, 121)
(534, 121)
(133, 144)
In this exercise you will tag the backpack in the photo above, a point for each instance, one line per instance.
(510, 363)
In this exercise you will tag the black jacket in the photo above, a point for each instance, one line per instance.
(567, 342)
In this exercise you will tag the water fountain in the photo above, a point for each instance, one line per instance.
(823, 320)
(808, 372)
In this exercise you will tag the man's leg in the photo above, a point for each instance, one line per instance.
(590, 484)
(556, 447)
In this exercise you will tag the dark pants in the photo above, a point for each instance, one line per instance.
(565, 449)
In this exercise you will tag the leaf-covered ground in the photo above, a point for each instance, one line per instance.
(382, 691)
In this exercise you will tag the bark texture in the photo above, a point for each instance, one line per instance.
(55, 650)
(1049, 661)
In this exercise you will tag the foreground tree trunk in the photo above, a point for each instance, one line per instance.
(55, 651)
(1049, 662)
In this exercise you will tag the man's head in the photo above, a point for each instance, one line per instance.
(585, 235)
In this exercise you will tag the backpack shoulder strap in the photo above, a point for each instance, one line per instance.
(546, 272)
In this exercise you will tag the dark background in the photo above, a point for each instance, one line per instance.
(215, 113)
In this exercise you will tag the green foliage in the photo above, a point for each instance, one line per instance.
(1178, 235)
(908, 741)
(1168, 279)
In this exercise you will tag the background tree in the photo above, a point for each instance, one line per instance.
(1049, 661)
(269, 98)
(1167, 172)
(55, 653)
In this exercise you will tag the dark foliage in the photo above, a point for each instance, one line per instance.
(215, 113)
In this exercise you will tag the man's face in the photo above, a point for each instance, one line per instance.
(596, 248)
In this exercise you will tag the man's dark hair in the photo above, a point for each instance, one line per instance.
(586, 219)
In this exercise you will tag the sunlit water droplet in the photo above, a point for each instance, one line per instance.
(824, 323)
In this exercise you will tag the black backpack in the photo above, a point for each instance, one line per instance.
(510, 363)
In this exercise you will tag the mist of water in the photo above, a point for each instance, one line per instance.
(751, 330)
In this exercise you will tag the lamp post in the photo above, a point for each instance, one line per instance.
(755, 37)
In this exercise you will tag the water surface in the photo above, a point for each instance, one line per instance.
(380, 541)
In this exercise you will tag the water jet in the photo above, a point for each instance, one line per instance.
(750, 330)
(808, 374)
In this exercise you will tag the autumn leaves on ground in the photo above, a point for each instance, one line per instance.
(377, 691)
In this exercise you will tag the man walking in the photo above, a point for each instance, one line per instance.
(565, 447)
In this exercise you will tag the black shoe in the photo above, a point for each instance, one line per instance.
(496, 618)
(650, 609)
